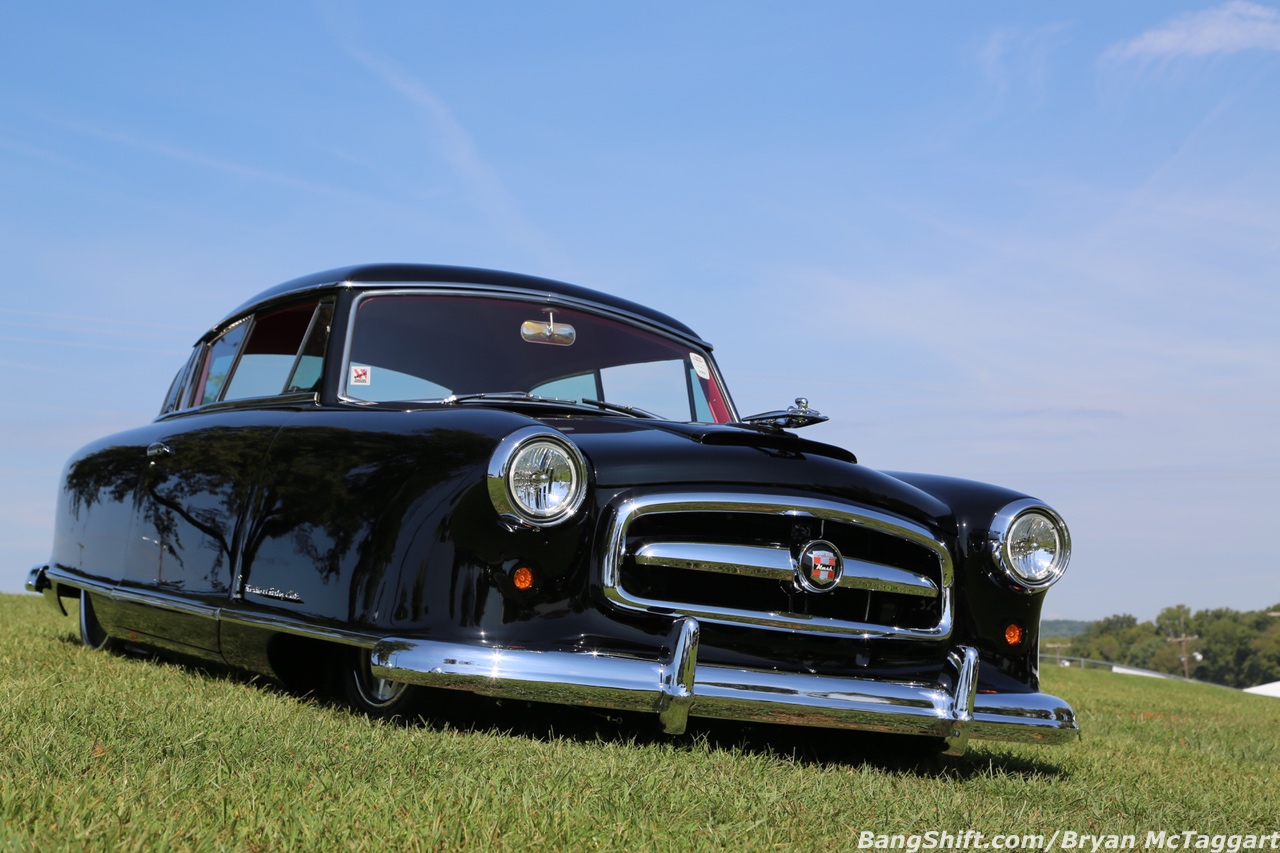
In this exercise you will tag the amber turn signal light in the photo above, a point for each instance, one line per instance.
(1014, 634)
(523, 578)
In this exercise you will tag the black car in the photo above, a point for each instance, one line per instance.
(458, 478)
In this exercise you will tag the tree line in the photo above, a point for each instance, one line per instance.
(1224, 646)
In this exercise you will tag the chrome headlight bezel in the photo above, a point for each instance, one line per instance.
(1007, 532)
(505, 464)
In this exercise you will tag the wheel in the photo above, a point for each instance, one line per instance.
(375, 696)
(92, 634)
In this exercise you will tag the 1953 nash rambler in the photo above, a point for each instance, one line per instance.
(428, 476)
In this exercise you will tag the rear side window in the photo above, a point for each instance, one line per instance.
(181, 382)
(268, 359)
(218, 362)
(275, 352)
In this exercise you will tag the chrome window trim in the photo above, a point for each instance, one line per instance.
(482, 292)
(276, 401)
(252, 320)
(302, 345)
(631, 508)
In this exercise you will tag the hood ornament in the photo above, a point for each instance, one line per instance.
(794, 417)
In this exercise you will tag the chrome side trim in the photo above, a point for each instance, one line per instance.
(805, 507)
(778, 564)
(59, 577)
(272, 621)
(677, 683)
(152, 598)
(286, 624)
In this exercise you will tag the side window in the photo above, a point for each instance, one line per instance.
(270, 359)
(580, 387)
(181, 382)
(218, 361)
(308, 370)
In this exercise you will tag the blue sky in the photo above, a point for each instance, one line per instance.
(1033, 244)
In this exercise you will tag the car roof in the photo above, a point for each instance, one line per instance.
(426, 275)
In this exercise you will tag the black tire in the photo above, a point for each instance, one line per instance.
(373, 696)
(92, 634)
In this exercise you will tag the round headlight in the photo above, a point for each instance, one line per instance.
(1031, 544)
(538, 476)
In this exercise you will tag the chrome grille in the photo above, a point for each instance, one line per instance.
(731, 558)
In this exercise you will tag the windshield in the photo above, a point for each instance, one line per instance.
(413, 347)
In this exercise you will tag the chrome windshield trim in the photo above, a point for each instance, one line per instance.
(635, 507)
(368, 289)
(778, 564)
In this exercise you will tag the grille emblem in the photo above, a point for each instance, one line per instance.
(820, 566)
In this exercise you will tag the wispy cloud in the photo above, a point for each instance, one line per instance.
(199, 159)
(1012, 57)
(1232, 27)
(482, 183)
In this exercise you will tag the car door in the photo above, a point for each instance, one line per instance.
(202, 470)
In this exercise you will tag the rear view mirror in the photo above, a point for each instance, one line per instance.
(548, 332)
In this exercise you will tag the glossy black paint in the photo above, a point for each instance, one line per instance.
(232, 529)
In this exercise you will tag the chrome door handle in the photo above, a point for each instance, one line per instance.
(159, 448)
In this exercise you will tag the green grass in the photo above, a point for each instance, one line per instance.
(99, 750)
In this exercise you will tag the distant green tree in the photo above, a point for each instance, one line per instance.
(1107, 639)
(1176, 625)
(1222, 645)
(1262, 665)
(1174, 621)
(1225, 637)
(1145, 650)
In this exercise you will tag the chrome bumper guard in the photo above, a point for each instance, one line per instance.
(679, 687)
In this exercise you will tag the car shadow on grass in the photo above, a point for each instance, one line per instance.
(450, 710)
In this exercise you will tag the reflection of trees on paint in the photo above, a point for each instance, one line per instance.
(108, 475)
(335, 498)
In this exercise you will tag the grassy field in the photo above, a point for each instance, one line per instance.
(103, 751)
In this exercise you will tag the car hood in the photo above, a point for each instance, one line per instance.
(633, 452)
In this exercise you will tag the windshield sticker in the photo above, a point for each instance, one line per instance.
(359, 375)
(699, 366)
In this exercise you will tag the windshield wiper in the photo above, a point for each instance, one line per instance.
(505, 397)
(525, 397)
(626, 410)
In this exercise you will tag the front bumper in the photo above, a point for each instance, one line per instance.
(678, 687)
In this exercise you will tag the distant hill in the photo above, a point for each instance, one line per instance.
(1062, 627)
